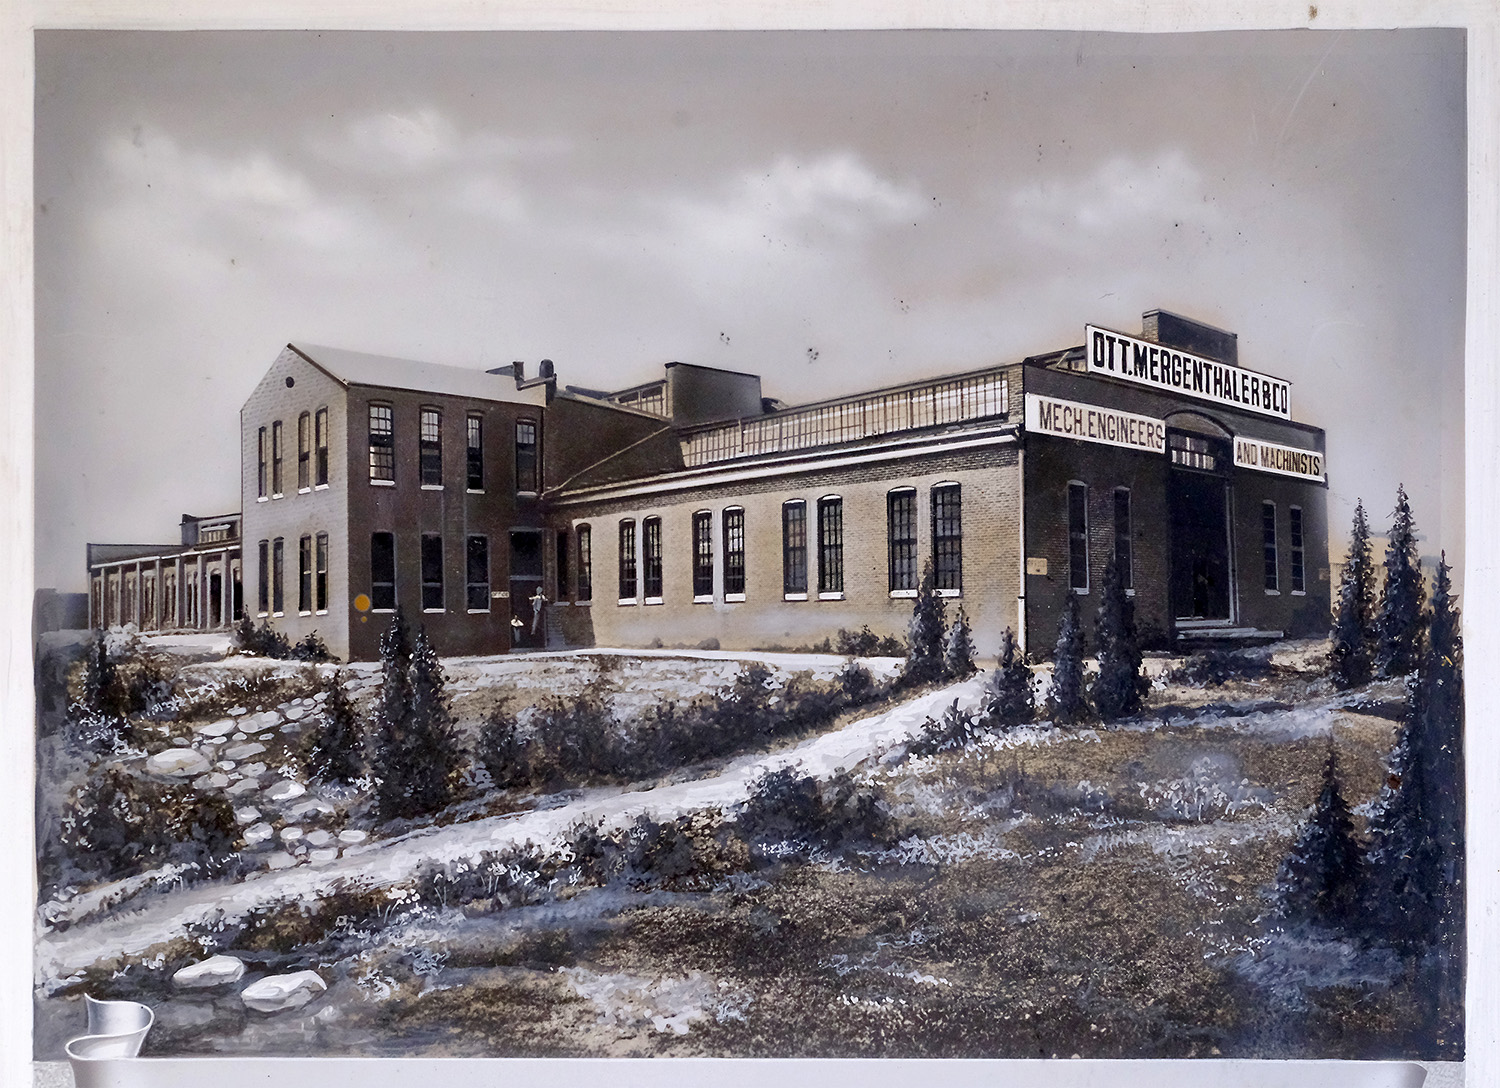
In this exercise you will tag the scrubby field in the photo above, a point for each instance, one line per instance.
(1033, 892)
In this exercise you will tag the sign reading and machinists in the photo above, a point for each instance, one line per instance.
(1284, 460)
(1093, 423)
(1119, 356)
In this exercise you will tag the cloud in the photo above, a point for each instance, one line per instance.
(422, 141)
(154, 158)
(830, 197)
(1149, 199)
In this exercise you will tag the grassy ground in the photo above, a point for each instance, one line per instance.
(1099, 892)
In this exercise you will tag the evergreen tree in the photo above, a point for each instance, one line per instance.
(924, 654)
(1066, 700)
(393, 711)
(1008, 695)
(1349, 657)
(101, 682)
(1417, 855)
(958, 648)
(501, 750)
(337, 745)
(1398, 626)
(1119, 688)
(433, 746)
(1320, 879)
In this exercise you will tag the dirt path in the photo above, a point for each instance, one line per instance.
(132, 931)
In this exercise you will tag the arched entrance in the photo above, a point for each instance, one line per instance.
(1201, 454)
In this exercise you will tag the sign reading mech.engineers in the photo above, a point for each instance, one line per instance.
(1094, 423)
(1116, 355)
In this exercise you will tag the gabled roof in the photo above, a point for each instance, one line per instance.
(357, 368)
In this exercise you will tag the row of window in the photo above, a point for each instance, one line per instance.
(312, 575)
(312, 455)
(430, 449)
(822, 556)
(1078, 541)
(1269, 547)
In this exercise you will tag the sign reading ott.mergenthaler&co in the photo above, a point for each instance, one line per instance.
(1115, 355)
(1094, 423)
(1285, 460)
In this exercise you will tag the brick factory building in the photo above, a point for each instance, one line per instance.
(506, 513)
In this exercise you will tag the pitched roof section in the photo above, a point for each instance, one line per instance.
(357, 368)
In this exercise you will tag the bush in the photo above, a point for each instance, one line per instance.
(1009, 700)
(336, 748)
(865, 643)
(958, 648)
(262, 641)
(117, 825)
(1215, 667)
(312, 648)
(924, 655)
(787, 808)
(954, 729)
(501, 751)
(855, 682)
(1067, 701)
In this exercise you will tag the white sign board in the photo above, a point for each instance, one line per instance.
(1116, 355)
(1284, 460)
(1093, 423)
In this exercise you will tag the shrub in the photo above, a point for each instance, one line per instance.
(262, 641)
(1320, 879)
(118, 825)
(572, 734)
(1119, 688)
(954, 729)
(1215, 667)
(924, 654)
(501, 751)
(1066, 700)
(958, 648)
(336, 748)
(1008, 694)
(312, 648)
(865, 643)
(855, 682)
(787, 808)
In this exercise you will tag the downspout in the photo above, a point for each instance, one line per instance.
(1021, 556)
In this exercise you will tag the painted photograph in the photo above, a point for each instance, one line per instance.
(898, 544)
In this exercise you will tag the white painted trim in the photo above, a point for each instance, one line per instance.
(839, 596)
(382, 483)
(794, 596)
(704, 598)
(652, 600)
(949, 592)
(692, 478)
(903, 594)
(432, 487)
(733, 598)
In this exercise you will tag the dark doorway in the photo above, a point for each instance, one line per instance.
(215, 600)
(1198, 504)
(528, 630)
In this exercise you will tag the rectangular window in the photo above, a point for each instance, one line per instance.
(304, 452)
(260, 459)
(383, 571)
(831, 545)
(901, 535)
(1299, 581)
(627, 561)
(382, 443)
(947, 538)
(320, 440)
(585, 563)
(320, 589)
(525, 455)
(474, 446)
(263, 578)
(304, 574)
(1268, 543)
(432, 572)
(703, 554)
(734, 552)
(276, 458)
(477, 552)
(1078, 537)
(794, 547)
(430, 447)
(278, 579)
(562, 564)
(651, 557)
(1123, 557)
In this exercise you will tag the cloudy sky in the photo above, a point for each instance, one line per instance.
(833, 211)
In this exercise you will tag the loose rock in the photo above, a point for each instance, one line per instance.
(285, 790)
(214, 971)
(277, 992)
(177, 762)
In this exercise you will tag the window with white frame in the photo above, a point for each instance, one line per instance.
(304, 452)
(1078, 537)
(320, 586)
(585, 563)
(432, 572)
(320, 442)
(304, 575)
(474, 452)
(627, 561)
(651, 558)
(901, 539)
(382, 444)
(477, 558)
(794, 547)
(383, 571)
(1299, 578)
(703, 555)
(430, 447)
(734, 552)
(831, 545)
(947, 538)
(1268, 545)
(276, 458)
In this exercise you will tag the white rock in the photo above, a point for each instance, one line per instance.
(238, 712)
(221, 728)
(320, 698)
(285, 790)
(239, 736)
(253, 770)
(177, 761)
(290, 834)
(242, 787)
(267, 719)
(323, 856)
(277, 992)
(311, 807)
(319, 837)
(181, 742)
(280, 861)
(258, 833)
(246, 815)
(214, 971)
(215, 781)
(294, 713)
(244, 751)
(224, 765)
(351, 836)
